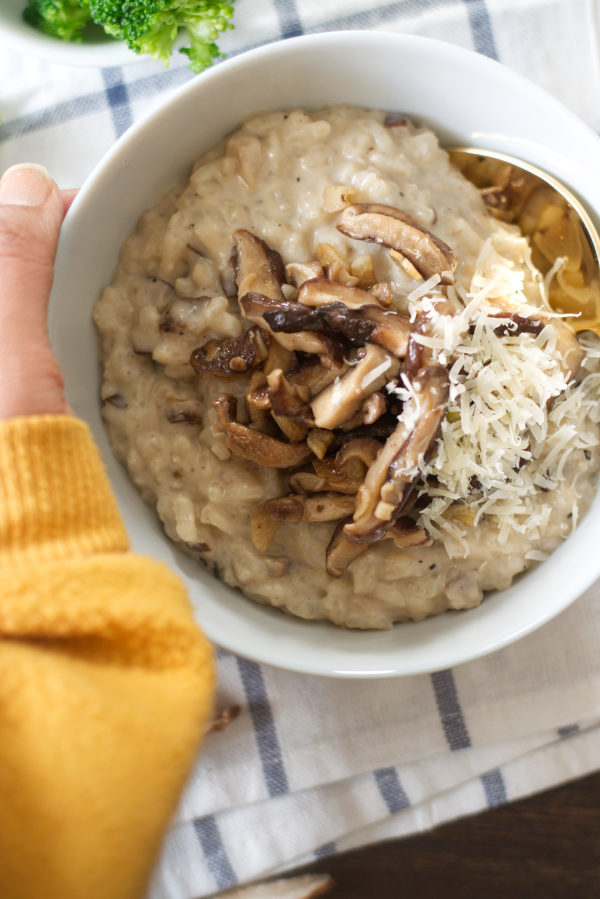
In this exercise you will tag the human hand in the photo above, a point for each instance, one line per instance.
(32, 209)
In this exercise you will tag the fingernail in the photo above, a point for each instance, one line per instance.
(25, 185)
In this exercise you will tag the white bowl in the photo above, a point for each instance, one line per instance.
(97, 49)
(468, 99)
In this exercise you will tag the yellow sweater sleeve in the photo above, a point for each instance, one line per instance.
(105, 680)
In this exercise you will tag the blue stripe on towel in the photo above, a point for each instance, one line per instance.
(453, 723)
(89, 104)
(325, 850)
(214, 850)
(382, 15)
(289, 18)
(117, 98)
(391, 789)
(264, 727)
(457, 735)
(481, 28)
(66, 111)
(568, 730)
(494, 788)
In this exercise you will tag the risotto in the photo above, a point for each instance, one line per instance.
(337, 378)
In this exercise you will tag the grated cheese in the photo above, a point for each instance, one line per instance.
(514, 424)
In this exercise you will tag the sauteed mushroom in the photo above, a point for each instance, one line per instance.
(299, 272)
(533, 321)
(253, 445)
(322, 507)
(396, 230)
(330, 349)
(390, 479)
(342, 473)
(257, 267)
(341, 552)
(287, 399)
(342, 398)
(320, 291)
(232, 356)
(357, 325)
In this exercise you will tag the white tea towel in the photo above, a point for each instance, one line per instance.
(313, 766)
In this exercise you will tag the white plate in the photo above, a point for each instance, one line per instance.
(468, 99)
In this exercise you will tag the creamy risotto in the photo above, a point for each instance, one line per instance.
(338, 379)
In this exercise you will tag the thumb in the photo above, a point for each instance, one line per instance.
(31, 213)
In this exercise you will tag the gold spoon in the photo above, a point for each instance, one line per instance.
(555, 221)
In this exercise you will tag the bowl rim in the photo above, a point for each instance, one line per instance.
(357, 662)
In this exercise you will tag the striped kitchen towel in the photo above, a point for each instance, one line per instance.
(313, 766)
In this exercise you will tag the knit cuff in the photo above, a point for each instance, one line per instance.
(55, 498)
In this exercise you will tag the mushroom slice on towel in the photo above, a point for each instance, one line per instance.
(391, 478)
(399, 232)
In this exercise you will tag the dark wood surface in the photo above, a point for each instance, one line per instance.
(543, 847)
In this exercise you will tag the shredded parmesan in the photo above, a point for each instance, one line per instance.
(423, 289)
(514, 423)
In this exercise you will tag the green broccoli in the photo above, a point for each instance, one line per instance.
(148, 26)
(65, 19)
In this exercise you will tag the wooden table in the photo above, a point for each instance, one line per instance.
(544, 847)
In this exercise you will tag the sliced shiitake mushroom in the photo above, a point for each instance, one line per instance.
(356, 325)
(288, 400)
(514, 324)
(341, 552)
(312, 376)
(257, 267)
(321, 291)
(334, 319)
(373, 408)
(338, 402)
(399, 232)
(299, 272)
(232, 356)
(390, 479)
(319, 441)
(339, 474)
(330, 349)
(533, 321)
(405, 533)
(418, 355)
(327, 506)
(364, 449)
(254, 445)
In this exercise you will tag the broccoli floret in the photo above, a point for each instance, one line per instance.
(151, 26)
(64, 19)
(148, 26)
